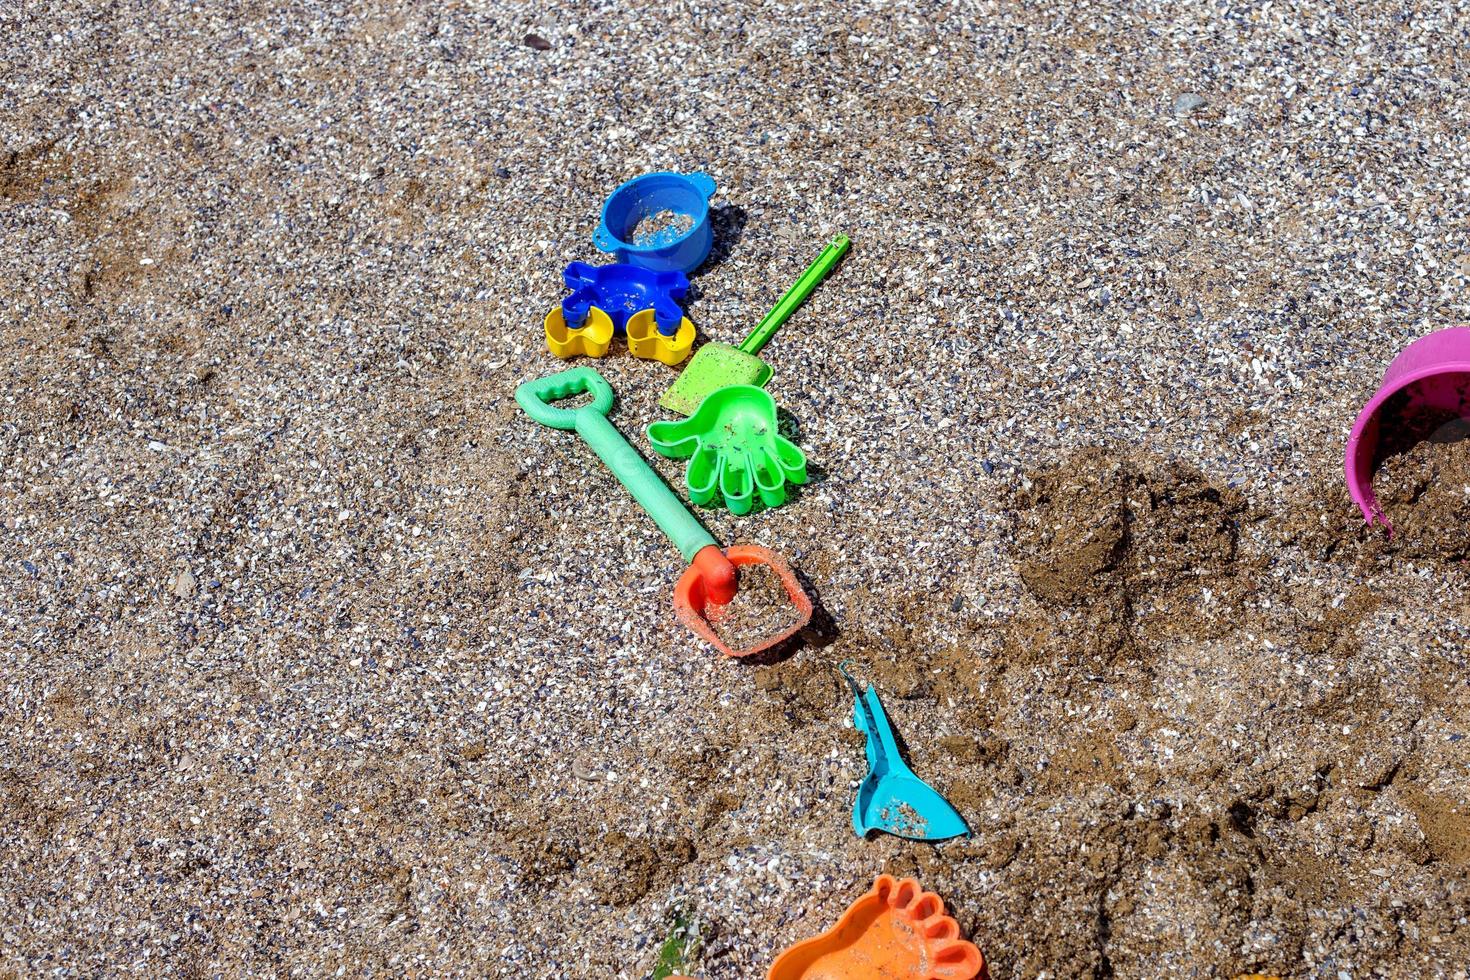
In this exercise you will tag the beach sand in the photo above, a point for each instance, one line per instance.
(319, 656)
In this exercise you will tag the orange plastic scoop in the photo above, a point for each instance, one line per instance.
(897, 931)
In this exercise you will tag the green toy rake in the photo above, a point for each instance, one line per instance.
(717, 365)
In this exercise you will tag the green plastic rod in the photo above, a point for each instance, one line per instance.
(590, 422)
(795, 296)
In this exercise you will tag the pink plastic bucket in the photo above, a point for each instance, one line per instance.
(1431, 373)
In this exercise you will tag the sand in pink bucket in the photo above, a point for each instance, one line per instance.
(1430, 379)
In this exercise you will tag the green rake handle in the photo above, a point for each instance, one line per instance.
(795, 296)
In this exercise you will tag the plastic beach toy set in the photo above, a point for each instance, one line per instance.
(657, 228)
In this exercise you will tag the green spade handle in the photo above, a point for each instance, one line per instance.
(795, 296)
(590, 422)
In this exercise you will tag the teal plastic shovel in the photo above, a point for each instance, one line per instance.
(891, 798)
(711, 580)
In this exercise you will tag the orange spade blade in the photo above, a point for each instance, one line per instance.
(695, 610)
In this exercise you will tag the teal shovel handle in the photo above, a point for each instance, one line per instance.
(536, 397)
(633, 472)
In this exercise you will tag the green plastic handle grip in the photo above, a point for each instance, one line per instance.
(633, 472)
(795, 296)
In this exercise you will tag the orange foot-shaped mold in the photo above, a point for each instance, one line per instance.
(591, 339)
(897, 931)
